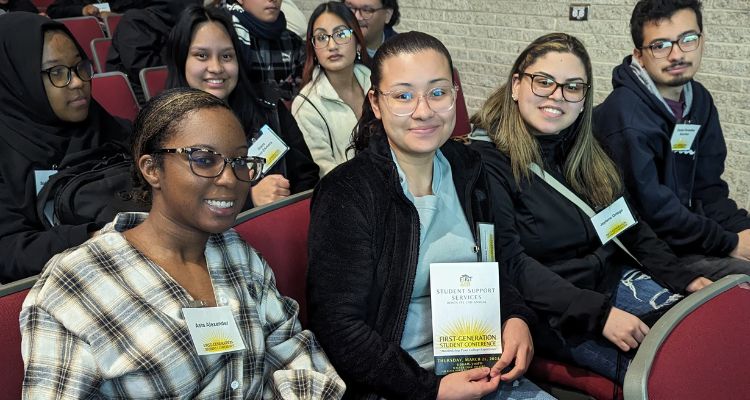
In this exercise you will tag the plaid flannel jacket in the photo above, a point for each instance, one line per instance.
(105, 321)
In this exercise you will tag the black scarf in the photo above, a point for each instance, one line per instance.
(31, 135)
(263, 30)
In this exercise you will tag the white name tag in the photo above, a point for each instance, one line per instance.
(41, 177)
(613, 220)
(103, 7)
(269, 146)
(213, 330)
(683, 136)
(486, 233)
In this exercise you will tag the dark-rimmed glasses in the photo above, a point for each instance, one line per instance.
(544, 86)
(404, 102)
(61, 75)
(687, 43)
(210, 164)
(365, 12)
(341, 36)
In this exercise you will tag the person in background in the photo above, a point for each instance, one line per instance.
(140, 37)
(409, 197)
(335, 81)
(594, 297)
(662, 128)
(376, 19)
(125, 325)
(78, 8)
(273, 55)
(7, 6)
(295, 19)
(201, 53)
(48, 117)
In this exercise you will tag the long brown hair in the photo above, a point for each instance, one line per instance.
(588, 169)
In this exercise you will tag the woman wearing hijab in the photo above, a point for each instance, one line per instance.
(48, 116)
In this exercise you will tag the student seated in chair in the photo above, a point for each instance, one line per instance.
(173, 303)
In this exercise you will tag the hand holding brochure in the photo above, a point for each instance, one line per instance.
(466, 322)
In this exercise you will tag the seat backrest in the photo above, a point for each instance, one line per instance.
(100, 48)
(554, 375)
(462, 114)
(84, 30)
(278, 231)
(42, 5)
(153, 80)
(112, 90)
(698, 349)
(110, 23)
(11, 298)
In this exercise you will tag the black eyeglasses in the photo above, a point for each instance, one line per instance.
(342, 36)
(544, 86)
(365, 12)
(687, 43)
(210, 164)
(60, 75)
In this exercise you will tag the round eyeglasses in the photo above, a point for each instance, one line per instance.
(61, 75)
(404, 102)
(364, 12)
(662, 48)
(210, 164)
(342, 36)
(544, 86)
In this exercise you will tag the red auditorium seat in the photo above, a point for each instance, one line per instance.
(110, 23)
(84, 30)
(100, 48)
(112, 90)
(153, 80)
(559, 375)
(462, 115)
(699, 349)
(11, 298)
(42, 5)
(279, 232)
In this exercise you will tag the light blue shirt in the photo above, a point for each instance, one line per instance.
(444, 236)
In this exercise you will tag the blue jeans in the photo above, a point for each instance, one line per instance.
(520, 389)
(639, 295)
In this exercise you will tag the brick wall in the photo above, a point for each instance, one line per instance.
(485, 36)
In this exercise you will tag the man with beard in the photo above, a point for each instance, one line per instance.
(662, 128)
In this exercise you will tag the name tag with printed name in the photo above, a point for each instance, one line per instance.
(683, 136)
(486, 233)
(41, 177)
(269, 146)
(103, 7)
(213, 330)
(613, 220)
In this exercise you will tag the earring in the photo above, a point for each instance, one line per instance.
(514, 97)
(581, 109)
(359, 55)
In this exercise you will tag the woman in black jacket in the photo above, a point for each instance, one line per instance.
(202, 53)
(48, 118)
(593, 296)
(409, 197)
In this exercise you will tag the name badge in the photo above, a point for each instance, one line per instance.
(486, 233)
(683, 136)
(614, 219)
(213, 330)
(269, 146)
(41, 177)
(103, 7)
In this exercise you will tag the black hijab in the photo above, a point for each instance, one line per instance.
(31, 135)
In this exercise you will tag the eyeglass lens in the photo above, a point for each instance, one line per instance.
(404, 102)
(686, 43)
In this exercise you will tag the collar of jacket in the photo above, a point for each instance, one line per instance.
(325, 90)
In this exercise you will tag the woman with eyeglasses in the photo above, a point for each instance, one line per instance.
(594, 276)
(202, 54)
(48, 117)
(409, 197)
(172, 303)
(335, 81)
